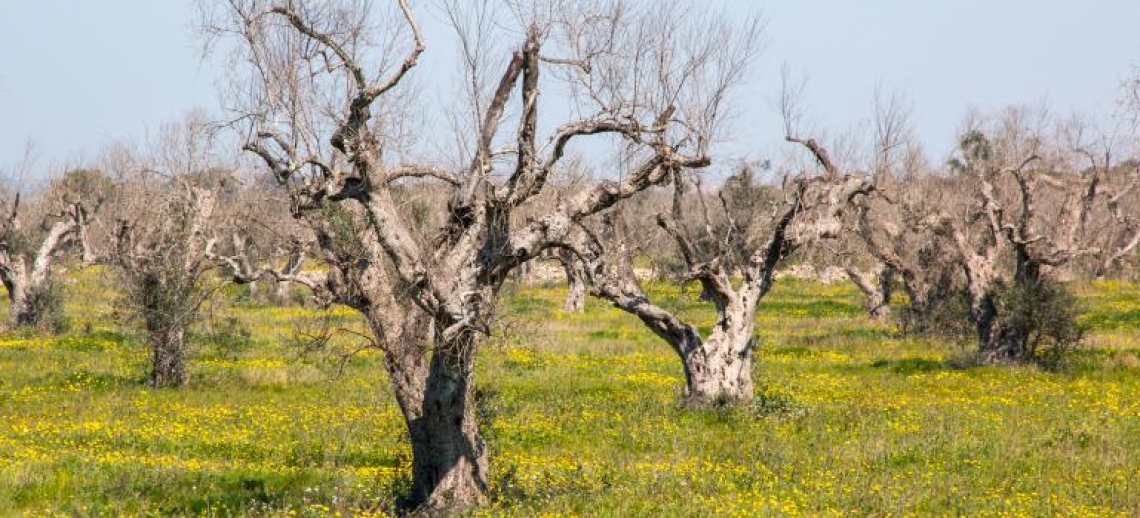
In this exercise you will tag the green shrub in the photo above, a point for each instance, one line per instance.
(946, 315)
(1043, 316)
(46, 305)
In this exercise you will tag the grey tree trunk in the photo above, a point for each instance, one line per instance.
(449, 465)
(168, 352)
(31, 305)
(718, 371)
(876, 286)
(1004, 346)
(281, 291)
(21, 312)
(575, 283)
(28, 277)
(997, 343)
(1002, 340)
(436, 395)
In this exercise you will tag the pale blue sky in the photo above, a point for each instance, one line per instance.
(75, 74)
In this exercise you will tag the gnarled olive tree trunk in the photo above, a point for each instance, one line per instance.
(575, 283)
(431, 378)
(450, 456)
(28, 277)
(167, 342)
(718, 368)
(1001, 339)
(428, 286)
(876, 287)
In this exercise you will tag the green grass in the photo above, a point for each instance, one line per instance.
(581, 416)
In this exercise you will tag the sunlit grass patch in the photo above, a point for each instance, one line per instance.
(581, 416)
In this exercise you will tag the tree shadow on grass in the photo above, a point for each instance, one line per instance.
(907, 366)
(236, 492)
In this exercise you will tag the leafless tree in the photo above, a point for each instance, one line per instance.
(1106, 215)
(1025, 209)
(893, 239)
(26, 270)
(733, 255)
(899, 231)
(162, 241)
(320, 79)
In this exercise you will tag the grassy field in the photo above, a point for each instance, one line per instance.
(581, 416)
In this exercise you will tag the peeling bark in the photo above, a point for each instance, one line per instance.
(450, 465)
(436, 394)
(719, 370)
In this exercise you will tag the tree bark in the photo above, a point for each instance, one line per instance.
(876, 289)
(449, 468)
(719, 371)
(168, 349)
(1004, 341)
(450, 458)
(575, 283)
(1004, 346)
(436, 394)
(21, 313)
(998, 344)
(281, 293)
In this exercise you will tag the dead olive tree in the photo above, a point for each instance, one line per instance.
(161, 250)
(1026, 215)
(322, 84)
(1108, 217)
(893, 153)
(26, 269)
(734, 262)
(895, 231)
(161, 266)
(900, 232)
